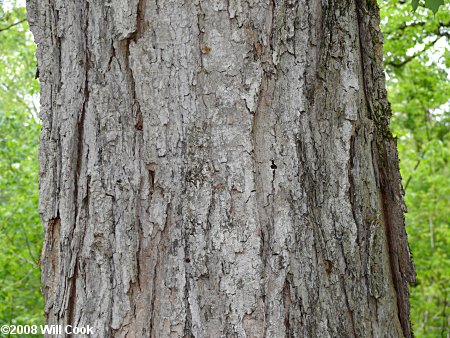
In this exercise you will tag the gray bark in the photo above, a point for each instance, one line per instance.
(219, 168)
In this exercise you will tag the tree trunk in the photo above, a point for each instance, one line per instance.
(219, 168)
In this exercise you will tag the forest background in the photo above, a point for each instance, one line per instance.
(417, 64)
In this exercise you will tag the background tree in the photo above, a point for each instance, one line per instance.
(20, 228)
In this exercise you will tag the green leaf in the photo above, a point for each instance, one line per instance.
(415, 4)
(433, 4)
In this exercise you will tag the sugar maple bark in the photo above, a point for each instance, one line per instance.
(219, 169)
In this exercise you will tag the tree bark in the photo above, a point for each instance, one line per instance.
(219, 168)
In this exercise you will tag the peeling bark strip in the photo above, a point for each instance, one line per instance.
(219, 169)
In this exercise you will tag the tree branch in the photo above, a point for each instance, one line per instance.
(412, 57)
(12, 25)
(415, 168)
(438, 32)
(405, 26)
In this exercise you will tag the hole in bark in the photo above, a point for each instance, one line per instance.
(139, 125)
(139, 120)
(328, 265)
(187, 260)
(151, 167)
(151, 179)
(273, 166)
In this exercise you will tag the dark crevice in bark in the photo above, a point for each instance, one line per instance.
(141, 27)
(138, 114)
(79, 158)
(140, 280)
(351, 179)
(59, 58)
(138, 258)
(287, 305)
(154, 286)
(272, 68)
(202, 46)
(141, 22)
(57, 47)
(50, 257)
(81, 119)
(112, 55)
(351, 320)
(188, 322)
(361, 40)
(85, 204)
(80, 128)
(151, 167)
(135, 105)
(72, 297)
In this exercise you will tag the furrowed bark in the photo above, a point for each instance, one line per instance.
(219, 169)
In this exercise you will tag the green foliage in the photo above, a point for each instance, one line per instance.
(20, 229)
(434, 5)
(430, 4)
(417, 62)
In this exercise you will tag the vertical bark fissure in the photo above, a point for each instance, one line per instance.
(79, 144)
(79, 205)
(50, 259)
(287, 303)
(263, 201)
(350, 313)
(72, 299)
(359, 14)
(188, 323)
(351, 179)
(154, 286)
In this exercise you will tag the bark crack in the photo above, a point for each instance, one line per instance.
(72, 299)
(350, 311)
(81, 119)
(351, 179)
